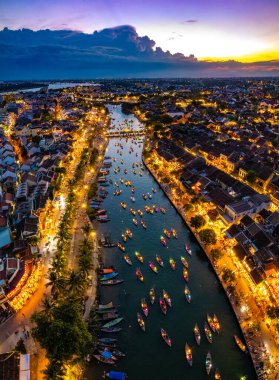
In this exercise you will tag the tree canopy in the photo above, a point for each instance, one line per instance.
(208, 236)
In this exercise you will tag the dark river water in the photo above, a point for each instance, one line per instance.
(147, 355)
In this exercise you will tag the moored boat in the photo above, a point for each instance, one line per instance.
(109, 276)
(121, 247)
(166, 337)
(127, 259)
(112, 323)
(172, 263)
(187, 293)
(133, 211)
(188, 249)
(143, 224)
(184, 261)
(174, 233)
(141, 321)
(135, 222)
(152, 267)
(166, 298)
(208, 363)
(139, 275)
(163, 241)
(163, 305)
(216, 323)
(112, 282)
(144, 307)
(123, 204)
(129, 233)
(139, 256)
(152, 295)
(124, 237)
(163, 211)
(111, 330)
(188, 354)
(167, 233)
(240, 344)
(107, 340)
(208, 333)
(104, 359)
(185, 274)
(159, 261)
(210, 322)
(197, 334)
(140, 213)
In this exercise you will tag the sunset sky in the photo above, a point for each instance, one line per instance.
(247, 30)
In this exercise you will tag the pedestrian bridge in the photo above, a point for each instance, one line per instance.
(125, 133)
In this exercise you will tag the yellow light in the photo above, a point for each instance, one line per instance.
(83, 205)
(93, 234)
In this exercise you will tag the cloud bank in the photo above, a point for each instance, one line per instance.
(108, 53)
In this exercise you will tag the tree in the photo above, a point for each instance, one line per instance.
(251, 176)
(228, 276)
(56, 282)
(197, 221)
(216, 254)
(85, 264)
(76, 283)
(208, 236)
(20, 347)
(272, 312)
(188, 207)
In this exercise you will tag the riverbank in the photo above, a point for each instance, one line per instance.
(186, 219)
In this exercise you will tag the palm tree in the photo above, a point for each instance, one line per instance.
(48, 306)
(86, 229)
(85, 264)
(76, 282)
(56, 282)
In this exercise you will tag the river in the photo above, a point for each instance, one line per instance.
(147, 355)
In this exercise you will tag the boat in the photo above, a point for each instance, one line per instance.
(240, 344)
(197, 334)
(109, 276)
(172, 264)
(166, 337)
(112, 323)
(125, 171)
(114, 351)
(107, 340)
(144, 307)
(188, 354)
(123, 204)
(111, 330)
(163, 241)
(208, 333)
(185, 274)
(152, 267)
(163, 305)
(139, 256)
(141, 321)
(210, 322)
(111, 282)
(187, 294)
(135, 222)
(174, 234)
(127, 259)
(208, 363)
(143, 224)
(149, 195)
(129, 233)
(184, 261)
(133, 211)
(216, 323)
(188, 249)
(133, 189)
(133, 199)
(105, 307)
(167, 233)
(103, 359)
(115, 375)
(163, 211)
(152, 295)
(124, 238)
(139, 275)
(110, 314)
(144, 196)
(121, 247)
(159, 261)
(166, 298)
(153, 189)
(140, 213)
(217, 375)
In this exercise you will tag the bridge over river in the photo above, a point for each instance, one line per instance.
(125, 133)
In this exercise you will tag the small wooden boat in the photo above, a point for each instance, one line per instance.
(141, 321)
(144, 196)
(166, 337)
(208, 333)
(112, 323)
(139, 275)
(133, 211)
(184, 261)
(121, 247)
(153, 190)
(163, 211)
(188, 249)
(210, 322)
(163, 241)
(139, 256)
(135, 222)
(105, 307)
(140, 213)
(174, 233)
(129, 233)
(152, 295)
(172, 263)
(152, 267)
(163, 306)
(144, 307)
(166, 298)
(216, 323)
(188, 354)
(123, 204)
(124, 237)
(111, 330)
(159, 261)
(187, 294)
(149, 196)
(167, 233)
(109, 276)
(125, 171)
(107, 340)
(113, 351)
(111, 282)
(143, 224)
(133, 199)
(127, 259)
(103, 359)
(217, 375)
(240, 344)
(116, 375)
(133, 189)
(197, 334)
(185, 274)
(208, 363)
